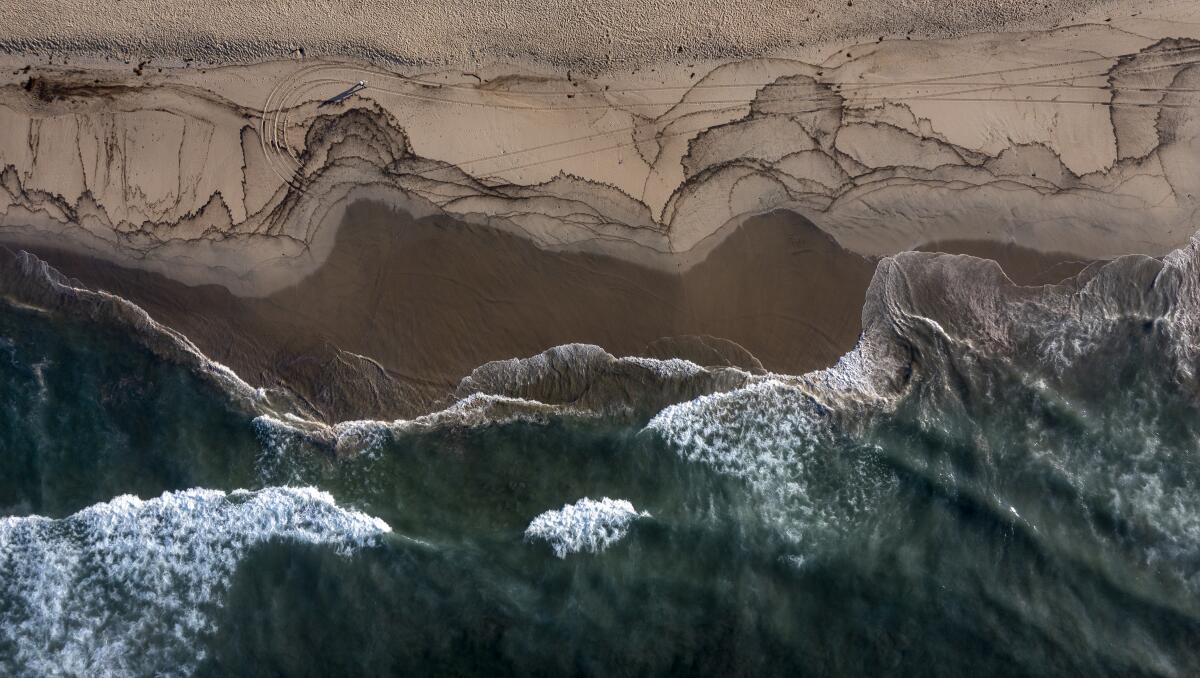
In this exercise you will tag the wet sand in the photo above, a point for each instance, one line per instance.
(403, 308)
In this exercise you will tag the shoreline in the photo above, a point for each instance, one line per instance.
(400, 308)
(621, 337)
(403, 309)
(965, 296)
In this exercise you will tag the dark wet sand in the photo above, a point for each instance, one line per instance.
(403, 308)
(429, 300)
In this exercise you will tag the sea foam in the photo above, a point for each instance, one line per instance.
(807, 481)
(587, 525)
(127, 587)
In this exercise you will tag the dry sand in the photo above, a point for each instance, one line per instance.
(598, 34)
(579, 187)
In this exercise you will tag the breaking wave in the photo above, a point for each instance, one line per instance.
(587, 525)
(128, 587)
(809, 480)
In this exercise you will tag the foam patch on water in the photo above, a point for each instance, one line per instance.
(771, 434)
(127, 587)
(587, 525)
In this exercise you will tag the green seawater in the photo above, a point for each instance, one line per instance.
(1004, 520)
(86, 416)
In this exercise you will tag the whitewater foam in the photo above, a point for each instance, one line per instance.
(774, 436)
(670, 368)
(127, 587)
(587, 525)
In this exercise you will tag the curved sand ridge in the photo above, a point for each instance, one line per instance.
(886, 146)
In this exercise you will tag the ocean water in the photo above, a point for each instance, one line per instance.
(1010, 515)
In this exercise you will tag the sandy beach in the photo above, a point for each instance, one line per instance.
(724, 202)
(594, 36)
